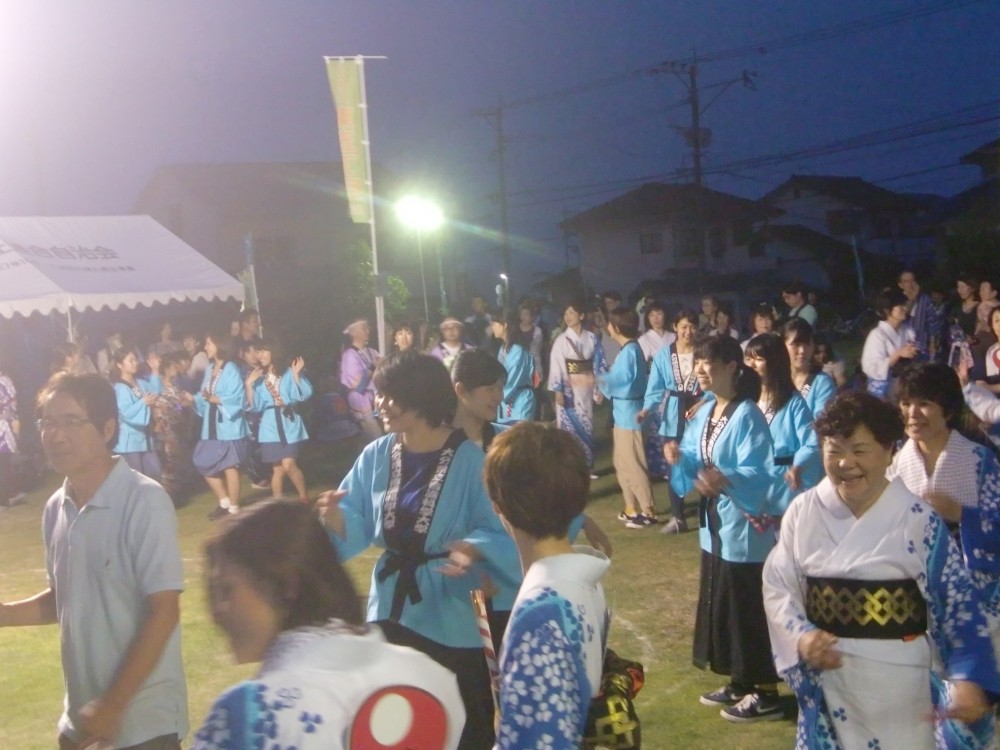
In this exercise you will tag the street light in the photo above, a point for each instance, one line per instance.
(423, 216)
(504, 289)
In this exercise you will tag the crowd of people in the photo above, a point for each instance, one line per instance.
(847, 523)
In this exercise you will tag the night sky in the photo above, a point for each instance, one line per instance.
(95, 95)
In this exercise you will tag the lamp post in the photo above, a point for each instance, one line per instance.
(505, 285)
(422, 216)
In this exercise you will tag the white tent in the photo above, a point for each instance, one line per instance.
(75, 263)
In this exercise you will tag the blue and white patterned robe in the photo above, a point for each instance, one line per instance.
(880, 698)
(328, 688)
(553, 653)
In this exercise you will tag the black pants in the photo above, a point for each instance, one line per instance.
(469, 666)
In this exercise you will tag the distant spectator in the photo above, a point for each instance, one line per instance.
(794, 295)
(709, 310)
(724, 323)
(199, 360)
(402, 337)
(10, 426)
(923, 319)
(826, 358)
(357, 365)
(477, 325)
(610, 300)
(451, 343)
(656, 335)
(762, 320)
(886, 345)
(964, 309)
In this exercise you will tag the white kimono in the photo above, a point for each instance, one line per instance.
(882, 342)
(884, 691)
(651, 342)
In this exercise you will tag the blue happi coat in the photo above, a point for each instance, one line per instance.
(744, 454)
(282, 421)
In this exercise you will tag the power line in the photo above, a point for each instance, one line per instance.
(919, 128)
(845, 28)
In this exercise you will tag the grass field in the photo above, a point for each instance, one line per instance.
(652, 588)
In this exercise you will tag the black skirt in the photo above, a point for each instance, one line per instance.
(730, 632)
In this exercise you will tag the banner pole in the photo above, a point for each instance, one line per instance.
(379, 298)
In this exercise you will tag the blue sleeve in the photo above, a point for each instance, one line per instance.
(808, 456)
(356, 505)
(231, 392)
(131, 409)
(295, 393)
(231, 724)
(520, 367)
(261, 397)
(823, 389)
(683, 474)
(980, 532)
(542, 705)
(621, 380)
(656, 386)
(751, 472)
(957, 622)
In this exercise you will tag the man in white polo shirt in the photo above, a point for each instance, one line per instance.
(115, 577)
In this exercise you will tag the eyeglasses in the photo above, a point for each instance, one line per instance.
(67, 423)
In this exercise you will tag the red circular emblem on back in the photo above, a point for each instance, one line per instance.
(400, 718)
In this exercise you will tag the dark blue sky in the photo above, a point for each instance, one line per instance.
(96, 95)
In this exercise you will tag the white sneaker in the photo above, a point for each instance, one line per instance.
(674, 526)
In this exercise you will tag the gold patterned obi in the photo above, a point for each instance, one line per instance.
(849, 608)
(579, 366)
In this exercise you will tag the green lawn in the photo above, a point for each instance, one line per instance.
(652, 588)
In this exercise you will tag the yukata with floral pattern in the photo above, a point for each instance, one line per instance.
(173, 427)
(969, 474)
(553, 653)
(573, 362)
(336, 688)
(885, 690)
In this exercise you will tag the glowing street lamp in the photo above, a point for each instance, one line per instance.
(423, 216)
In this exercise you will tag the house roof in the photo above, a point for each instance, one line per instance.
(657, 200)
(987, 153)
(852, 190)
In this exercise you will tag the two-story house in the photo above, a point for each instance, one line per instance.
(675, 237)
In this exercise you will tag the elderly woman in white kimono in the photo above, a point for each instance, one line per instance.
(870, 608)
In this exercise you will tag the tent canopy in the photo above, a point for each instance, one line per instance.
(57, 264)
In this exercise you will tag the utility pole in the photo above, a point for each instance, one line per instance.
(496, 115)
(697, 137)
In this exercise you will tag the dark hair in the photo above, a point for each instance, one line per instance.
(117, 357)
(417, 382)
(823, 340)
(92, 392)
(847, 411)
(798, 331)
(172, 358)
(279, 362)
(726, 349)
(726, 309)
(917, 276)
(625, 320)
(224, 345)
(760, 310)
(289, 558)
(771, 348)
(512, 325)
(539, 478)
(247, 314)
(887, 299)
(934, 381)
(577, 305)
(794, 287)
(686, 313)
(969, 280)
(607, 295)
(652, 306)
(475, 368)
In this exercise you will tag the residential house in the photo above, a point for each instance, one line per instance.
(827, 223)
(650, 237)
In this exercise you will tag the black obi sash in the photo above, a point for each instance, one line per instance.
(404, 552)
